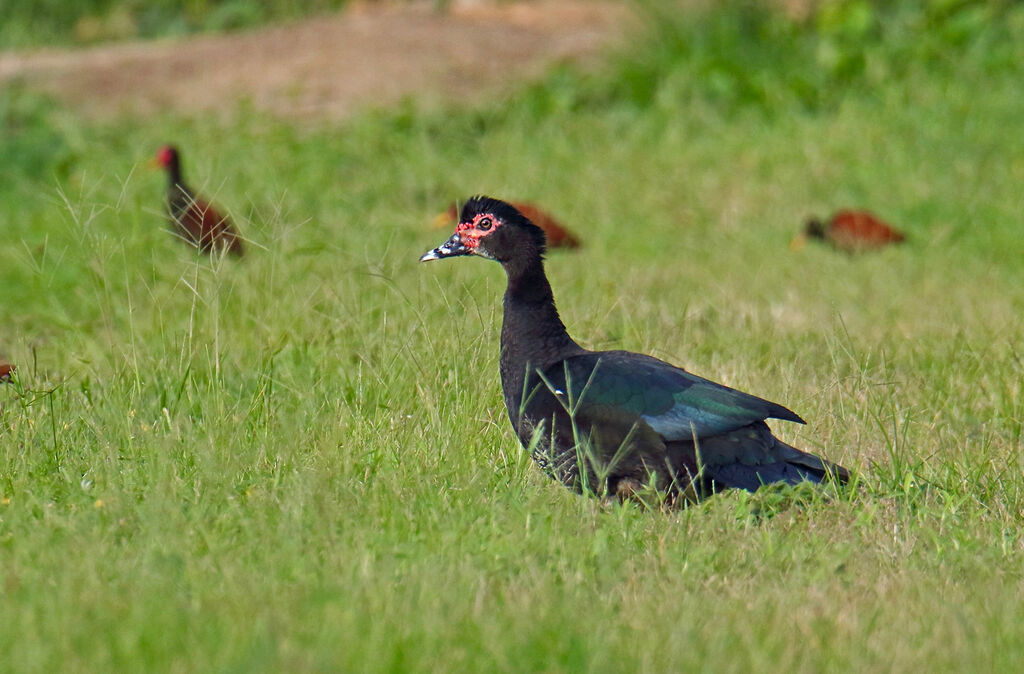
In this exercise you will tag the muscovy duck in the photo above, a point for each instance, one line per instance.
(615, 422)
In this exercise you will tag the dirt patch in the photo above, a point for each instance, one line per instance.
(327, 66)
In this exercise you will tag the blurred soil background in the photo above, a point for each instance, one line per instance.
(369, 54)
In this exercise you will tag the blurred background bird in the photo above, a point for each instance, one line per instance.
(558, 235)
(194, 219)
(6, 371)
(851, 231)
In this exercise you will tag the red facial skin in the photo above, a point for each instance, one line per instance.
(470, 232)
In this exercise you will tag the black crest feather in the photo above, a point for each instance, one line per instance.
(505, 212)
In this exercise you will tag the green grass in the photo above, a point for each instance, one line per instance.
(40, 22)
(302, 461)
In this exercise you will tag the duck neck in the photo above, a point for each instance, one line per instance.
(532, 333)
(174, 173)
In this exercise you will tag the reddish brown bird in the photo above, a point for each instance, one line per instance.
(193, 218)
(558, 235)
(850, 231)
(6, 371)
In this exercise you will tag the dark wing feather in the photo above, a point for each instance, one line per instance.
(644, 416)
(674, 403)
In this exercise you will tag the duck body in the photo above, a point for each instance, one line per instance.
(614, 421)
(194, 219)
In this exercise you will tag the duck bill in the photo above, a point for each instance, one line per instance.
(798, 242)
(453, 247)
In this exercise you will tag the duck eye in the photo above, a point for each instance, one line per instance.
(484, 224)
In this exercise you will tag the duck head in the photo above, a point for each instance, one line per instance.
(492, 229)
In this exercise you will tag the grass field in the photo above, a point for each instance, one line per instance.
(301, 461)
(31, 23)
